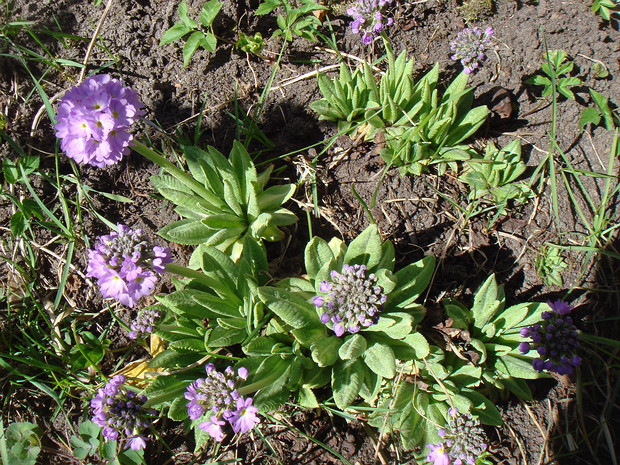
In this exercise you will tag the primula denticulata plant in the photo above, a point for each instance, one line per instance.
(420, 128)
(223, 200)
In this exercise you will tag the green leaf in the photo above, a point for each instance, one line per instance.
(347, 379)
(293, 310)
(603, 105)
(365, 249)
(419, 344)
(186, 20)
(411, 282)
(18, 223)
(209, 42)
(209, 12)
(317, 254)
(193, 42)
(224, 337)
(467, 126)
(380, 359)
(172, 359)
(267, 7)
(484, 408)
(188, 232)
(517, 366)
(487, 301)
(11, 172)
(325, 351)
(178, 409)
(518, 387)
(174, 33)
(353, 347)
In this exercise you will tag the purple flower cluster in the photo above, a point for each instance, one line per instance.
(368, 19)
(94, 118)
(216, 397)
(145, 323)
(125, 265)
(469, 47)
(121, 413)
(556, 339)
(464, 441)
(353, 300)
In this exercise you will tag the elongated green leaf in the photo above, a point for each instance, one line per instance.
(178, 409)
(174, 33)
(325, 351)
(517, 366)
(188, 231)
(347, 379)
(193, 42)
(365, 249)
(412, 280)
(317, 253)
(273, 197)
(467, 126)
(353, 347)
(380, 359)
(487, 301)
(209, 12)
(293, 310)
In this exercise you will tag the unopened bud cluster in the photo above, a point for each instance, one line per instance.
(469, 47)
(556, 340)
(353, 300)
(464, 441)
(121, 413)
(146, 322)
(216, 397)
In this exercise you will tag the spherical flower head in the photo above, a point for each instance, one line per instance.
(555, 339)
(469, 47)
(463, 441)
(121, 413)
(353, 300)
(94, 118)
(146, 322)
(369, 19)
(217, 398)
(126, 265)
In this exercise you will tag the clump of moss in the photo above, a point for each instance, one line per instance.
(470, 10)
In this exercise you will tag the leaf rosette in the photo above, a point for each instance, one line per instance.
(359, 360)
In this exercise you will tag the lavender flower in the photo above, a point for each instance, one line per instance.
(216, 396)
(556, 339)
(125, 265)
(121, 413)
(464, 441)
(354, 299)
(469, 47)
(94, 118)
(146, 322)
(368, 19)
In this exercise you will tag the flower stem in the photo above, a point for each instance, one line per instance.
(175, 171)
(204, 279)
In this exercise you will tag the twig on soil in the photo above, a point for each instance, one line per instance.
(351, 57)
(89, 50)
(545, 435)
(519, 444)
(431, 39)
(288, 82)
